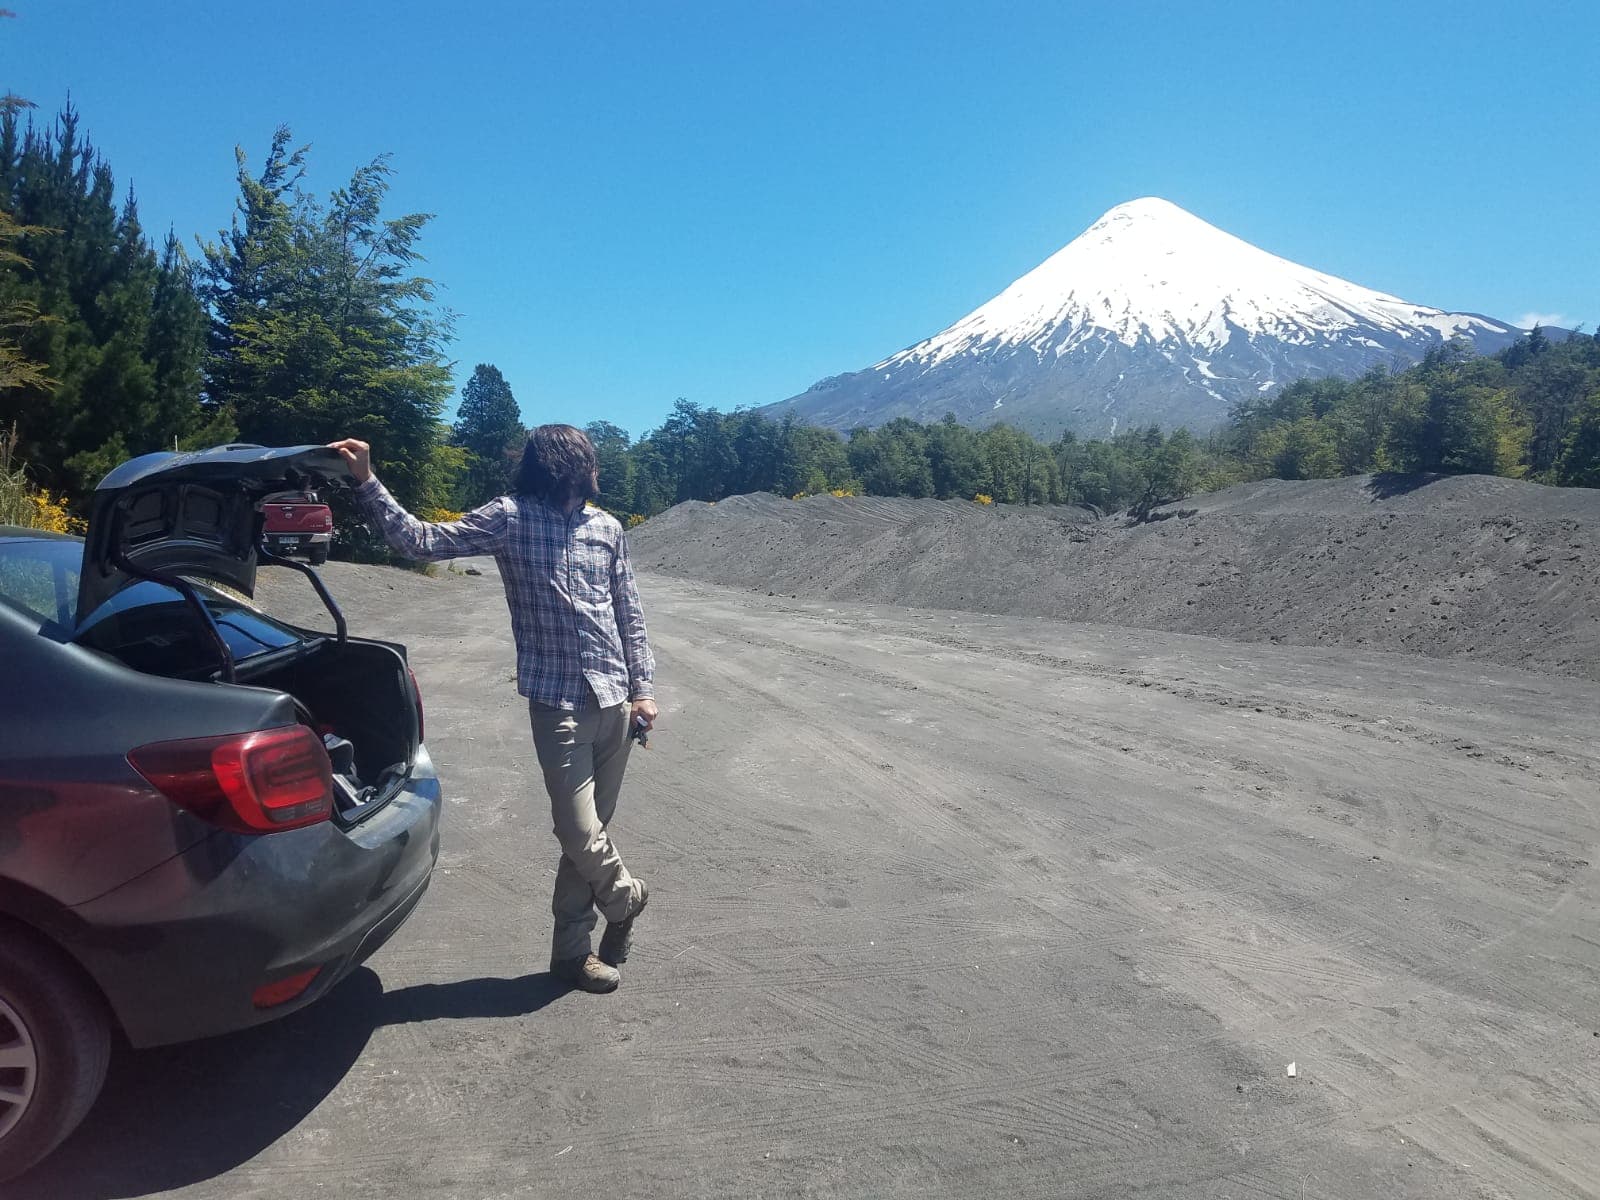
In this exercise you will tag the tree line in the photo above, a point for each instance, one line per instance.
(699, 453)
(1529, 412)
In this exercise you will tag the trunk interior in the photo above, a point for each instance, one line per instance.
(359, 693)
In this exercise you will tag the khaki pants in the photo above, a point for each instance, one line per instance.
(583, 755)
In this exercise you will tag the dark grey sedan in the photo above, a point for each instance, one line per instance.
(208, 817)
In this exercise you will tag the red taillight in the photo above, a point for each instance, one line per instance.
(416, 694)
(258, 782)
(281, 991)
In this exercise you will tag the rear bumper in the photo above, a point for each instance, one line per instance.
(293, 541)
(180, 951)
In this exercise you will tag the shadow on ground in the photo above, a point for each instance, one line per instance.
(179, 1115)
(1388, 486)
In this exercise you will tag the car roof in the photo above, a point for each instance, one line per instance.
(21, 533)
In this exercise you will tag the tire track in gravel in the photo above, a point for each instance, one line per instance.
(1247, 883)
(1337, 900)
(1584, 762)
(979, 906)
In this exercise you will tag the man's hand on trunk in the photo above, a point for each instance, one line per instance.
(357, 456)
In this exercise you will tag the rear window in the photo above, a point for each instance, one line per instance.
(41, 579)
(148, 626)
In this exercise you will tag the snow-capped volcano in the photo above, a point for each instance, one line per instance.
(1151, 315)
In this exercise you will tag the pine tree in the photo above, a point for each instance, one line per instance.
(18, 318)
(115, 328)
(319, 328)
(616, 466)
(488, 427)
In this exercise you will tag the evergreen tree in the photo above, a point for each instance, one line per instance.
(489, 428)
(320, 329)
(616, 466)
(114, 324)
(18, 372)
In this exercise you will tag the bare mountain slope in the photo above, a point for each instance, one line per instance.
(1471, 566)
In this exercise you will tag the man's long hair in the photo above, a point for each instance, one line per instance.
(558, 464)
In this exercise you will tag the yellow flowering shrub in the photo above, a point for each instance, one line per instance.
(36, 508)
(50, 513)
(635, 519)
(983, 498)
(439, 516)
(23, 504)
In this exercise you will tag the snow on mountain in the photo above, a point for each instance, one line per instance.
(1150, 315)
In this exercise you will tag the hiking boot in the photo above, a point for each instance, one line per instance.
(587, 974)
(618, 937)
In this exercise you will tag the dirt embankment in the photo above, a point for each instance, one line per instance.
(1469, 566)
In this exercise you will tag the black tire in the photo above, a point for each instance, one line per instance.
(46, 1008)
(319, 554)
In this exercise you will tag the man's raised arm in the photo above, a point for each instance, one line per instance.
(481, 531)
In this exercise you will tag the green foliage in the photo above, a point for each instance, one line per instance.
(891, 460)
(811, 460)
(1138, 470)
(21, 503)
(1579, 464)
(488, 430)
(114, 328)
(319, 328)
(700, 454)
(18, 317)
(617, 473)
(1520, 414)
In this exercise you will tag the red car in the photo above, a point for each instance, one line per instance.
(297, 524)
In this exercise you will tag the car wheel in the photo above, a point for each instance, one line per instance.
(319, 554)
(55, 1044)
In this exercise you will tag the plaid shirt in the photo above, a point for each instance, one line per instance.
(574, 605)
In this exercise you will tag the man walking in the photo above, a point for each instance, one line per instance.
(583, 662)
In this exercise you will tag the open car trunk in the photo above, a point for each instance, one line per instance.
(359, 698)
(162, 522)
(357, 695)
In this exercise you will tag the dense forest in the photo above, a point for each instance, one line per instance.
(306, 319)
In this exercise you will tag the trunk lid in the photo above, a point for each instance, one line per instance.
(192, 513)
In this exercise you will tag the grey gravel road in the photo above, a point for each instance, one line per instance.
(950, 905)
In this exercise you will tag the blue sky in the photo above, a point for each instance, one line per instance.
(729, 201)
